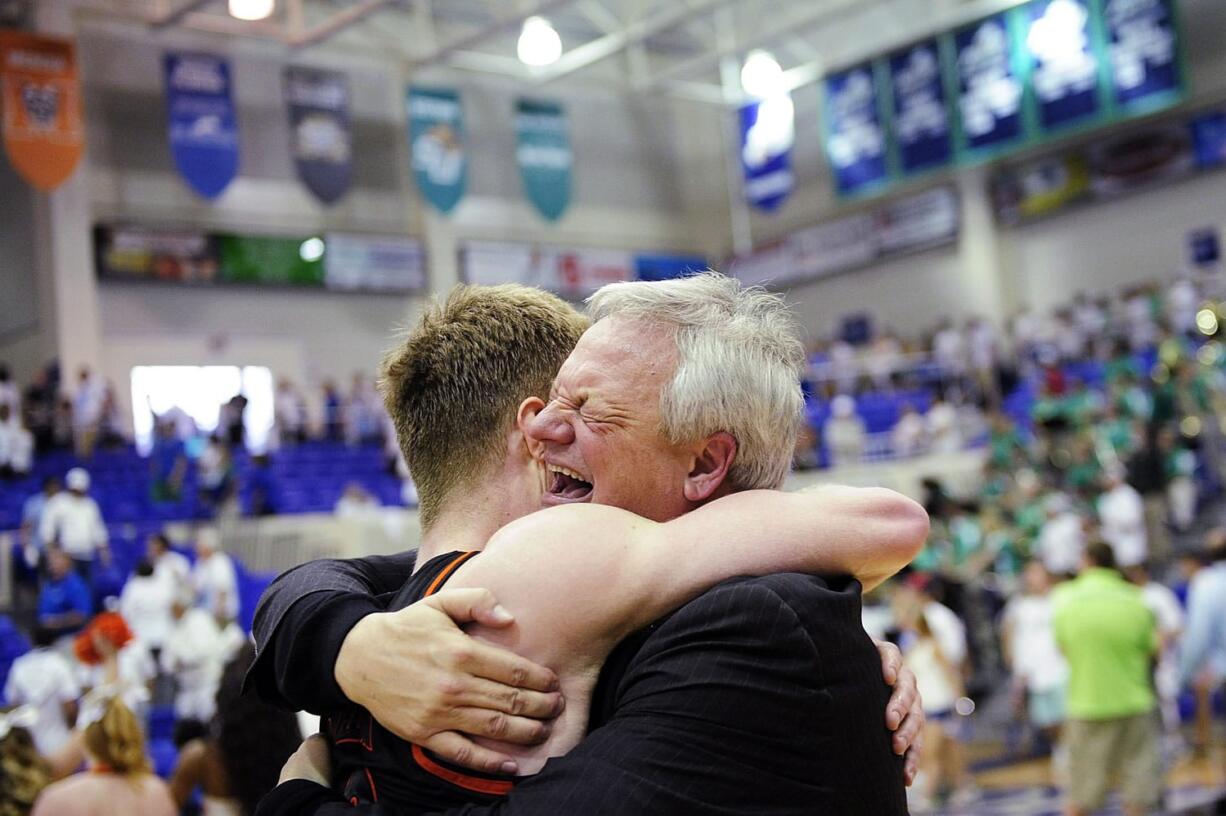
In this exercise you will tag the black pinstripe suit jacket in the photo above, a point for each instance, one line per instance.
(762, 696)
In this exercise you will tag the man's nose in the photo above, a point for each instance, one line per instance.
(552, 425)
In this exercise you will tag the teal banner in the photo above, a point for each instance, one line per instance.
(436, 138)
(544, 155)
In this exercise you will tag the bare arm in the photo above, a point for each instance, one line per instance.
(624, 571)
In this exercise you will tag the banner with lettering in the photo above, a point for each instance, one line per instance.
(989, 87)
(202, 122)
(44, 131)
(436, 139)
(544, 155)
(1064, 64)
(1143, 44)
(768, 132)
(921, 111)
(855, 135)
(320, 139)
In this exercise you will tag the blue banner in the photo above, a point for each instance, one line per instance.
(921, 113)
(544, 155)
(320, 140)
(1209, 138)
(989, 90)
(1064, 64)
(436, 138)
(1143, 47)
(855, 139)
(202, 124)
(767, 134)
(666, 267)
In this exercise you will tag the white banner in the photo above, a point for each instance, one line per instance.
(373, 263)
(572, 273)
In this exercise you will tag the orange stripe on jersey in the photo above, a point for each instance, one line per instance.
(479, 784)
(473, 783)
(446, 573)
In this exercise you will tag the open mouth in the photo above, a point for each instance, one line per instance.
(566, 485)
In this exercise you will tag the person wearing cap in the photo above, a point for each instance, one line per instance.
(1109, 637)
(72, 522)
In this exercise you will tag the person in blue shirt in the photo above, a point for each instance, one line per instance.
(65, 603)
(1204, 640)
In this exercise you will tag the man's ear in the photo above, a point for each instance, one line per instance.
(528, 409)
(710, 466)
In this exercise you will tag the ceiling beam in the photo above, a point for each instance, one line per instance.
(817, 13)
(337, 23)
(176, 13)
(603, 47)
(469, 41)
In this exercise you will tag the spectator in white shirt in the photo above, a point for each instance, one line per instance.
(1028, 636)
(145, 605)
(9, 394)
(1168, 614)
(884, 358)
(193, 656)
(71, 521)
(942, 421)
(88, 402)
(213, 577)
(949, 349)
(170, 568)
(844, 432)
(1061, 538)
(1181, 302)
(1121, 513)
(844, 368)
(289, 414)
(44, 680)
(16, 445)
(907, 437)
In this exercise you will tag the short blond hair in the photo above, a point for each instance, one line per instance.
(453, 384)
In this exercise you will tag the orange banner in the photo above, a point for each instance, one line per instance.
(44, 133)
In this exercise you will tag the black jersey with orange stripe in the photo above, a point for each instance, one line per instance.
(371, 765)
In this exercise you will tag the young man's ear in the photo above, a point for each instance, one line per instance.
(710, 467)
(528, 409)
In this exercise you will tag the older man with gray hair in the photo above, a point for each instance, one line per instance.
(761, 694)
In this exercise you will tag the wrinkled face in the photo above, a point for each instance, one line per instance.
(601, 430)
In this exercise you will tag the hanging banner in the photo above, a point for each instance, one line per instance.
(1143, 47)
(921, 113)
(320, 139)
(544, 155)
(1209, 138)
(203, 127)
(43, 128)
(989, 90)
(1065, 65)
(436, 140)
(855, 139)
(666, 267)
(768, 132)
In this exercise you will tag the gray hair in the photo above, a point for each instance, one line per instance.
(738, 366)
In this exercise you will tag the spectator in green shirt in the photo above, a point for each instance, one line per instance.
(1108, 634)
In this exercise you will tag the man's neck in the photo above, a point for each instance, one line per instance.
(466, 524)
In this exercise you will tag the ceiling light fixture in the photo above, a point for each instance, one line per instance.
(761, 75)
(539, 44)
(251, 9)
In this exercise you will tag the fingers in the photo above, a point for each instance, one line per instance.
(502, 666)
(910, 766)
(481, 722)
(509, 700)
(462, 751)
(891, 660)
(910, 734)
(903, 700)
(469, 605)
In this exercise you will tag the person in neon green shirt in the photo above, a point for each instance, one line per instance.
(1109, 636)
